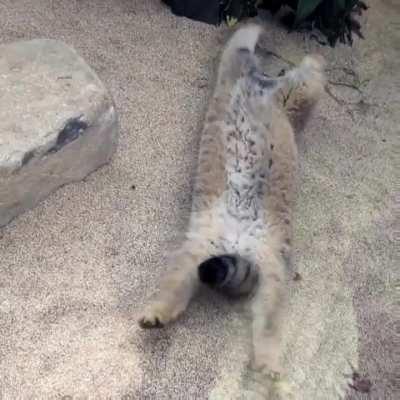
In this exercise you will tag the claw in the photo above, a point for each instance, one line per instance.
(148, 324)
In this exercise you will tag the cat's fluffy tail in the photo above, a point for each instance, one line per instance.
(229, 273)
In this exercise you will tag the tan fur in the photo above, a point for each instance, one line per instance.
(276, 150)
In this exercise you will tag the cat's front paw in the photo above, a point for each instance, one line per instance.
(156, 315)
(314, 62)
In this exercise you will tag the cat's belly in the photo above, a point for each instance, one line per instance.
(230, 227)
(240, 232)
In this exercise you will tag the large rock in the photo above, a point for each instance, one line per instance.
(57, 122)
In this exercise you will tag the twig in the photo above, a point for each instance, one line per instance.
(346, 70)
(276, 55)
(349, 85)
(337, 100)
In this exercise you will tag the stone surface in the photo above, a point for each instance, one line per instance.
(57, 122)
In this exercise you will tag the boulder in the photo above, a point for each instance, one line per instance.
(57, 122)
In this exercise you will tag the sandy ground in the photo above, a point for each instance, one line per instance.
(75, 271)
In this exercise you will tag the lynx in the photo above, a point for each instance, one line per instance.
(240, 230)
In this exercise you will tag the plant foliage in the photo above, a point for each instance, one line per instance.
(334, 18)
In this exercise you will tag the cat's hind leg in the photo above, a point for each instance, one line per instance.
(267, 312)
(266, 378)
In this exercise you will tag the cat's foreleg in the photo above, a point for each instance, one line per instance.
(177, 287)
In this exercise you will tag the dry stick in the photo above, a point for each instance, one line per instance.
(349, 85)
(278, 56)
(337, 100)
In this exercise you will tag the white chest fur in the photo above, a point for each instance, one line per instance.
(239, 235)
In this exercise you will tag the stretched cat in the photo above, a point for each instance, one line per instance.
(239, 234)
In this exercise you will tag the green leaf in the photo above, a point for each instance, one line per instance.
(305, 8)
(231, 21)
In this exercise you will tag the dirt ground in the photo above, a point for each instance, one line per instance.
(75, 271)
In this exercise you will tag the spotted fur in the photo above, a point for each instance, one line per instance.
(240, 226)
